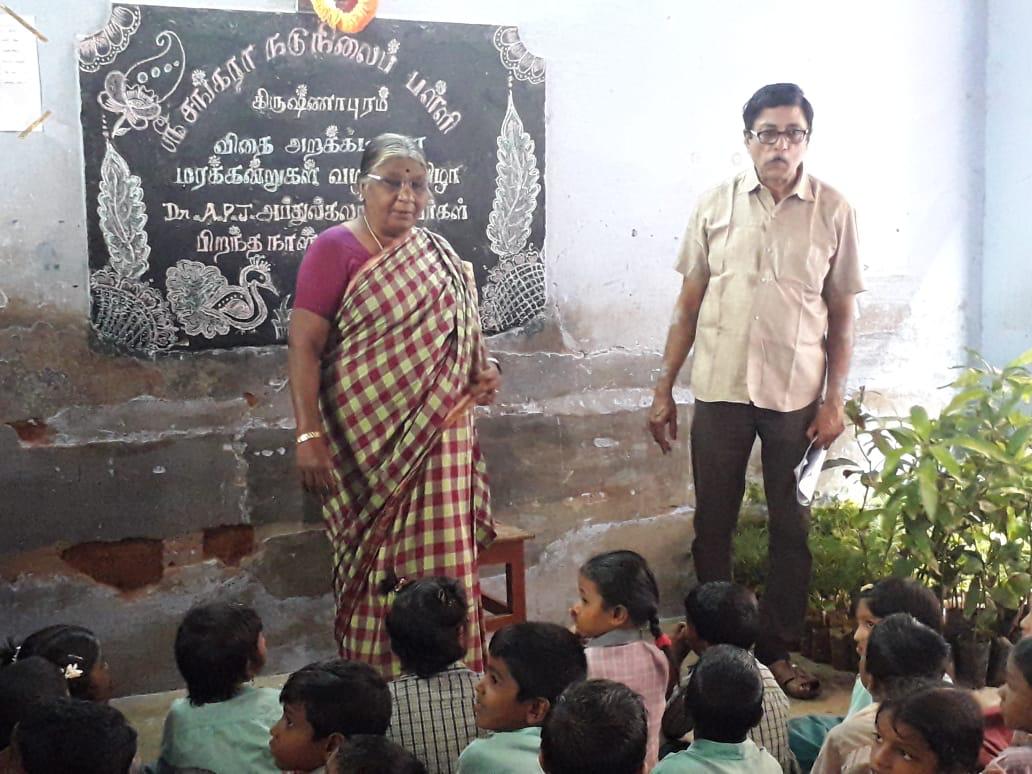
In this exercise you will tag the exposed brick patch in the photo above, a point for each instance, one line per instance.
(33, 431)
(125, 564)
(229, 543)
(251, 398)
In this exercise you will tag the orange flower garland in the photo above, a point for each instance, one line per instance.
(355, 20)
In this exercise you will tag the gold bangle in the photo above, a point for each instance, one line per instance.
(309, 436)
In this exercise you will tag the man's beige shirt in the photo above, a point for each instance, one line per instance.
(768, 269)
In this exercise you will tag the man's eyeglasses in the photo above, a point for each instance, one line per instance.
(771, 136)
(418, 187)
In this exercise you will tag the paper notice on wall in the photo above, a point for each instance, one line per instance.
(19, 75)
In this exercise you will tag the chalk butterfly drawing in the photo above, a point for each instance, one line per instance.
(102, 47)
(136, 95)
(206, 304)
(515, 288)
(126, 311)
(516, 58)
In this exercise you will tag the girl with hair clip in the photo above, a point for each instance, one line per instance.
(1016, 706)
(619, 598)
(428, 624)
(75, 650)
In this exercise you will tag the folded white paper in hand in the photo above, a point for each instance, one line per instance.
(807, 472)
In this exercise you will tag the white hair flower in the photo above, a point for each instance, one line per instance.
(72, 672)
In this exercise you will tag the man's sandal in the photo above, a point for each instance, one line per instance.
(795, 681)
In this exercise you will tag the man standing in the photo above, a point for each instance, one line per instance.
(770, 273)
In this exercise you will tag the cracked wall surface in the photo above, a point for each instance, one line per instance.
(182, 467)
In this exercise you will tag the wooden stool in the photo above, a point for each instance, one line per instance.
(506, 549)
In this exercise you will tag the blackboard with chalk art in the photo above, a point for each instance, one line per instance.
(218, 144)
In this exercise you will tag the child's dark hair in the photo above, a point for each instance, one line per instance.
(725, 694)
(543, 658)
(425, 623)
(903, 595)
(623, 578)
(1021, 656)
(902, 650)
(340, 697)
(26, 682)
(216, 645)
(948, 719)
(64, 645)
(723, 613)
(72, 736)
(374, 754)
(596, 725)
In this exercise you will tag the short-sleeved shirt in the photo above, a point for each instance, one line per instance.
(707, 757)
(225, 737)
(504, 752)
(768, 269)
(433, 717)
(330, 262)
(856, 733)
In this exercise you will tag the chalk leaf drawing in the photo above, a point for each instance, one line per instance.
(515, 288)
(136, 95)
(123, 216)
(126, 311)
(129, 313)
(101, 48)
(206, 304)
(281, 318)
(516, 58)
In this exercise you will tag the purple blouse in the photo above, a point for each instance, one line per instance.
(328, 266)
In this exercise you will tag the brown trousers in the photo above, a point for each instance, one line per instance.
(722, 438)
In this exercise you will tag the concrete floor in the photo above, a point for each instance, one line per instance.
(147, 712)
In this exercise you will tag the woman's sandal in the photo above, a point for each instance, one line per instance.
(795, 681)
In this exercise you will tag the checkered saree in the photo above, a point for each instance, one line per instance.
(412, 494)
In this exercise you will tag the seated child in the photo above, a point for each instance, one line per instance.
(723, 613)
(1016, 706)
(75, 650)
(223, 723)
(931, 731)
(597, 725)
(23, 684)
(528, 666)
(900, 656)
(618, 598)
(724, 697)
(323, 704)
(877, 601)
(370, 754)
(433, 700)
(72, 736)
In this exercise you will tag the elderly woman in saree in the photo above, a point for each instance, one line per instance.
(386, 361)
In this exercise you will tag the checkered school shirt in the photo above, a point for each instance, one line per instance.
(433, 717)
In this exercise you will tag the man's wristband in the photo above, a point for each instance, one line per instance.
(309, 436)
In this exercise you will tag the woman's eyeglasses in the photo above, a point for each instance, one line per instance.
(418, 187)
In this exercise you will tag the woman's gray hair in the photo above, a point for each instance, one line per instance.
(388, 146)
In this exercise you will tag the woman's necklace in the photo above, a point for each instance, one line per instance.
(370, 228)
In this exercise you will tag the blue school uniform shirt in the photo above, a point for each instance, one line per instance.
(504, 752)
(226, 737)
(707, 757)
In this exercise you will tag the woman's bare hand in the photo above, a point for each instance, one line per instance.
(486, 385)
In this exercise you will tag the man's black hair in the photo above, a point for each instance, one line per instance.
(948, 718)
(723, 613)
(73, 736)
(340, 697)
(216, 644)
(26, 682)
(777, 95)
(902, 650)
(597, 725)
(373, 754)
(725, 694)
(425, 622)
(62, 645)
(543, 658)
(903, 595)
